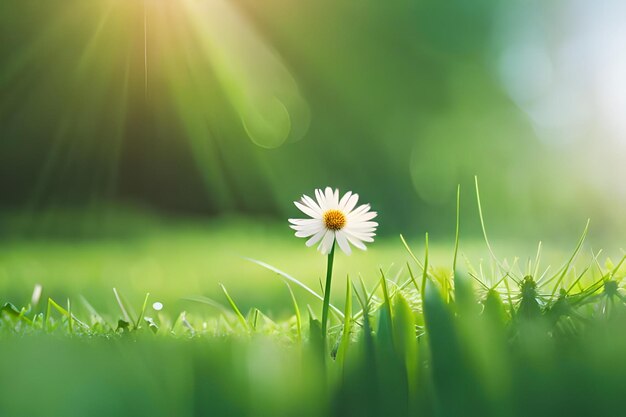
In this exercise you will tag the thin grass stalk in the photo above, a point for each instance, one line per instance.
(326, 303)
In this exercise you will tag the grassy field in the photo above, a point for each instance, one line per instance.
(176, 260)
(498, 338)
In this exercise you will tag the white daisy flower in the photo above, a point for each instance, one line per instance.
(333, 220)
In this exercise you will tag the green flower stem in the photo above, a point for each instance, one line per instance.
(329, 276)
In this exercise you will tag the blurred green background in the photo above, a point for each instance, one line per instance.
(151, 144)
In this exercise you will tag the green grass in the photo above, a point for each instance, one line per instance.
(175, 260)
(173, 264)
(78, 255)
(407, 336)
(412, 336)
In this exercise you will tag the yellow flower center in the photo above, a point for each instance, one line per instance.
(334, 219)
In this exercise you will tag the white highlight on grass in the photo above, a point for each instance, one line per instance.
(158, 306)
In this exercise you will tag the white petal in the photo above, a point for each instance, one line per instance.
(344, 200)
(306, 209)
(312, 241)
(365, 237)
(311, 223)
(342, 241)
(300, 228)
(356, 242)
(363, 225)
(354, 198)
(331, 202)
(321, 200)
(327, 242)
(360, 210)
(307, 232)
(369, 215)
(362, 230)
(311, 203)
(302, 222)
(361, 238)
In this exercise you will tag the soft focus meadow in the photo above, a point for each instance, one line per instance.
(151, 152)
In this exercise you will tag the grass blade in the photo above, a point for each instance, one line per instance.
(122, 307)
(234, 307)
(207, 301)
(297, 312)
(457, 229)
(406, 246)
(347, 324)
(566, 267)
(295, 281)
(143, 310)
(484, 229)
(425, 269)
